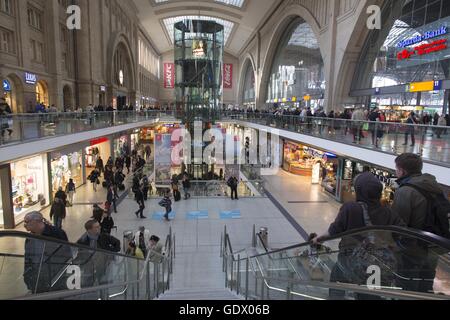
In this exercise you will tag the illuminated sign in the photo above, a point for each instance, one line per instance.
(6, 86)
(425, 86)
(436, 46)
(121, 77)
(30, 78)
(426, 36)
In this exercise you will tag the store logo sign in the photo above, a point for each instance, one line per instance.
(436, 46)
(30, 78)
(169, 75)
(6, 86)
(426, 36)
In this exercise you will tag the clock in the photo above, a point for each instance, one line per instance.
(121, 77)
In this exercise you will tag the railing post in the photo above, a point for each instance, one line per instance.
(288, 293)
(246, 278)
(254, 237)
(137, 279)
(238, 276)
(262, 288)
(148, 281)
(221, 245)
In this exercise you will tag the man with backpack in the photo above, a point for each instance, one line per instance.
(421, 203)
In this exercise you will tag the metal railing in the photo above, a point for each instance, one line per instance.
(431, 142)
(272, 275)
(128, 277)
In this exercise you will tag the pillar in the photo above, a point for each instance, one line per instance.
(9, 221)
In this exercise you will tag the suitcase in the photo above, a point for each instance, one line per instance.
(177, 195)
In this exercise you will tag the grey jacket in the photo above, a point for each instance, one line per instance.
(410, 204)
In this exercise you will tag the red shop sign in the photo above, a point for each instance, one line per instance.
(228, 76)
(169, 75)
(98, 141)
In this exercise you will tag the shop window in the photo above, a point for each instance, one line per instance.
(65, 167)
(29, 185)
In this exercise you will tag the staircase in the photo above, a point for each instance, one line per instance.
(200, 294)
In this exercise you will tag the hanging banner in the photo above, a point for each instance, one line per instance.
(228, 76)
(169, 75)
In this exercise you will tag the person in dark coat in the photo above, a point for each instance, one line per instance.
(140, 201)
(94, 178)
(352, 216)
(95, 267)
(61, 195)
(58, 212)
(99, 165)
(233, 184)
(111, 197)
(44, 259)
(128, 163)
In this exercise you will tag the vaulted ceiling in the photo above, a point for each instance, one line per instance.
(240, 18)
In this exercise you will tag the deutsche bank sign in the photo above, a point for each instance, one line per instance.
(426, 36)
(30, 78)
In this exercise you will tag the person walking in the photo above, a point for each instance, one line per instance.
(58, 212)
(111, 197)
(140, 201)
(61, 195)
(70, 191)
(155, 250)
(441, 123)
(410, 130)
(128, 162)
(145, 186)
(186, 186)
(99, 165)
(358, 117)
(233, 184)
(94, 179)
(166, 203)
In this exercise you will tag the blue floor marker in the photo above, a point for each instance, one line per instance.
(197, 215)
(159, 216)
(233, 214)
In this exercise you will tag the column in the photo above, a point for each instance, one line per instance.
(6, 194)
(445, 108)
(82, 57)
(54, 55)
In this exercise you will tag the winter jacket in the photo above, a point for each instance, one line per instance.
(107, 224)
(58, 209)
(104, 242)
(351, 215)
(410, 204)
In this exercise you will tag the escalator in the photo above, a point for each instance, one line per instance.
(38, 268)
(387, 263)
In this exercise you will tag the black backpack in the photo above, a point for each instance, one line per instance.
(438, 210)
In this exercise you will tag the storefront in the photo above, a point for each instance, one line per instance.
(121, 146)
(409, 66)
(29, 185)
(305, 161)
(100, 147)
(147, 135)
(351, 169)
(64, 166)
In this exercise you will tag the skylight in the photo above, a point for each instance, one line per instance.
(170, 22)
(234, 3)
(304, 36)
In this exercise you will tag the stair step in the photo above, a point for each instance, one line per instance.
(199, 294)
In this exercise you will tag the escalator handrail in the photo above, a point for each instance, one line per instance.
(420, 235)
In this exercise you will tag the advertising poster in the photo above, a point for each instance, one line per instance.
(163, 158)
(228, 76)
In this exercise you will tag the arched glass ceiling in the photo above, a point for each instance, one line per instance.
(170, 22)
(304, 36)
(234, 3)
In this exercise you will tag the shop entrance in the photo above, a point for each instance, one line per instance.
(42, 92)
(121, 102)
(99, 148)
(13, 93)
